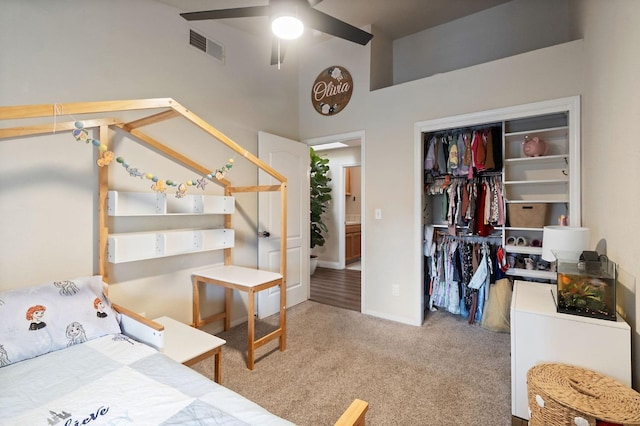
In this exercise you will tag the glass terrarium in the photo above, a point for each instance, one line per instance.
(586, 285)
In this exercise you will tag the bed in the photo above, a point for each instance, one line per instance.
(64, 360)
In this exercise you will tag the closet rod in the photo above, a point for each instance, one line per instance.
(463, 128)
(469, 238)
(477, 175)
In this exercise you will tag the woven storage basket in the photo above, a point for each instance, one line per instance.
(528, 215)
(561, 394)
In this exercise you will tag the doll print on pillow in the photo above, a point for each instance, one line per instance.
(34, 315)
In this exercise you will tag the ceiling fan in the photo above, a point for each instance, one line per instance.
(301, 11)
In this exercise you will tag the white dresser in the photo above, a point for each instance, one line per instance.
(540, 334)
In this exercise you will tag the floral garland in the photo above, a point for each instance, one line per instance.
(106, 157)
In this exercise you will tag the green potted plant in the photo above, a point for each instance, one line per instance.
(320, 195)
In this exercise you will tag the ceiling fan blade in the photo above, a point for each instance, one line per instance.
(328, 24)
(240, 12)
(278, 50)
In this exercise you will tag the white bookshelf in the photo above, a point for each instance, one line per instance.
(137, 246)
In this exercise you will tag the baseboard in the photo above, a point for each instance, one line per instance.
(327, 264)
(517, 421)
(402, 320)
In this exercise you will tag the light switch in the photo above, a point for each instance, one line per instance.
(378, 213)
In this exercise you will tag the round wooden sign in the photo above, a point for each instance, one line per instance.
(332, 90)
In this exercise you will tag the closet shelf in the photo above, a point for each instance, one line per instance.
(520, 228)
(536, 182)
(523, 249)
(561, 199)
(551, 132)
(532, 273)
(541, 159)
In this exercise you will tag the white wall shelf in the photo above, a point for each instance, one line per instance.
(152, 204)
(135, 246)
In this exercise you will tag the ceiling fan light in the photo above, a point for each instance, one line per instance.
(287, 27)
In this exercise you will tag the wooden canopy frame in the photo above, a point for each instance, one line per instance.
(169, 109)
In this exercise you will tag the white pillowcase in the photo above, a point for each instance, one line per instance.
(51, 316)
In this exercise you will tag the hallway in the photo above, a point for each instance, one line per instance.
(335, 287)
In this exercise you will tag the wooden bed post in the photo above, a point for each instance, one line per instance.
(227, 225)
(283, 265)
(103, 226)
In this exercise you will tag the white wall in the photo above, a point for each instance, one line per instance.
(508, 29)
(611, 107)
(90, 50)
(390, 181)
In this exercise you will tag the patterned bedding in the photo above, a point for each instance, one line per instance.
(113, 380)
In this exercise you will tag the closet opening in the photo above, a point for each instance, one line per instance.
(475, 202)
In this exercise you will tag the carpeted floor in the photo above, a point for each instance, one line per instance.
(446, 372)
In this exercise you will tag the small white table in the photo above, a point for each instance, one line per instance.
(250, 281)
(188, 345)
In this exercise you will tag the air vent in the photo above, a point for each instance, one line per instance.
(210, 47)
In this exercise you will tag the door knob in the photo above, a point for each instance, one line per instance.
(264, 234)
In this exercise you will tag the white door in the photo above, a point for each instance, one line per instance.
(291, 159)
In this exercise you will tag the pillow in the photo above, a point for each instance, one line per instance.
(51, 316)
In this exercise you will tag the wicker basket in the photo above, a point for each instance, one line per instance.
(561, 394)
(532, 215)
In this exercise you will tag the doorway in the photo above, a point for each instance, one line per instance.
(345, 153)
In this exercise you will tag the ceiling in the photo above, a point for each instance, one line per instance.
(395, 18)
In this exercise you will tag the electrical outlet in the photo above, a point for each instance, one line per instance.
(395, 290)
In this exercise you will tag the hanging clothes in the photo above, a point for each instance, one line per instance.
(442, 152)
(430, 158)
(462, 168)
(482, 227)
(462, 277)
(487, 139)
(479, 148)
(464, 157)
(453, 159)
(476, 204)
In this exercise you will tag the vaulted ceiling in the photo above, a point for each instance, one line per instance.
(395, 18)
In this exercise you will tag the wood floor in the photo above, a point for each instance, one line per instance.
(336, 287)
